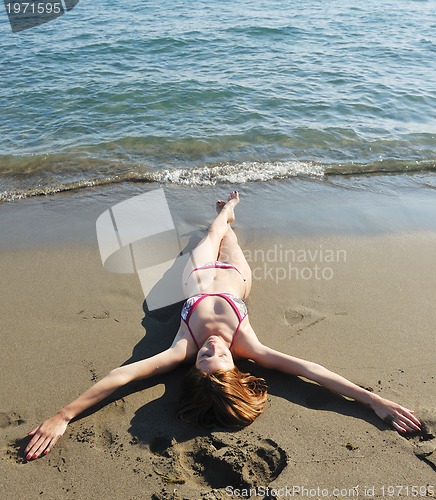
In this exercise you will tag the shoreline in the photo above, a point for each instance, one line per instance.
(373, 205)
(67, 321)
(205, 175)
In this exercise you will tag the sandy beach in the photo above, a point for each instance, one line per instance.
(358, 302)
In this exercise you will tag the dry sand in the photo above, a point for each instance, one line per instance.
(371, 317)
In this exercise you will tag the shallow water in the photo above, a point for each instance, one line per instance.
(217, 93)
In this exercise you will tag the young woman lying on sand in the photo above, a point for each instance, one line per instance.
(215, 330)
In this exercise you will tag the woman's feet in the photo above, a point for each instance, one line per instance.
(219, 206)
(232, 201)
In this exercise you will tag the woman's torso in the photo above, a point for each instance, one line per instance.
(214, 315)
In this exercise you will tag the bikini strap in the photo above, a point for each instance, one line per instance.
(192, 335)
(236, 333)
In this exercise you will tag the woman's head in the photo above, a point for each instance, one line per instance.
(214, 355)
(228, 398)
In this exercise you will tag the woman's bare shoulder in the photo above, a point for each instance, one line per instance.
(246, 344)
(183, 338)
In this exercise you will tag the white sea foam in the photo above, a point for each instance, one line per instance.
(238, 173)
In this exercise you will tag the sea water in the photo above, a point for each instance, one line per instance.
(203, 93)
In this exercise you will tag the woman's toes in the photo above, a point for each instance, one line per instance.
(219, 205)
(234, 195)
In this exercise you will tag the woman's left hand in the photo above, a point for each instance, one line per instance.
(402, 419)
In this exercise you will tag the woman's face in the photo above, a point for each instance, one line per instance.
(214, 355)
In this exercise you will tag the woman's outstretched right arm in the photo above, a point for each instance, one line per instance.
(45, 436)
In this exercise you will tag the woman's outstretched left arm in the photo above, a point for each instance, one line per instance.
(402, 419)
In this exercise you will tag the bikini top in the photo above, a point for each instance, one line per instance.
(237, 304)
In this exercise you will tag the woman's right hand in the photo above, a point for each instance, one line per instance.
(45, 436)
(401, 419)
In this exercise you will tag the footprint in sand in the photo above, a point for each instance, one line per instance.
(217, 462)
(302, 317)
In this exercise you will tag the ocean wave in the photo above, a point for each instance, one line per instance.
(237, 173)
(197, 176)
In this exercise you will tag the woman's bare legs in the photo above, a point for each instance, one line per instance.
(231, 252)
(209, 247)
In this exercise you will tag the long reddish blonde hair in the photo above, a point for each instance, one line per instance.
(228, 398)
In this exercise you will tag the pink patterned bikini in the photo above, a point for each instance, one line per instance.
(237, 304)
